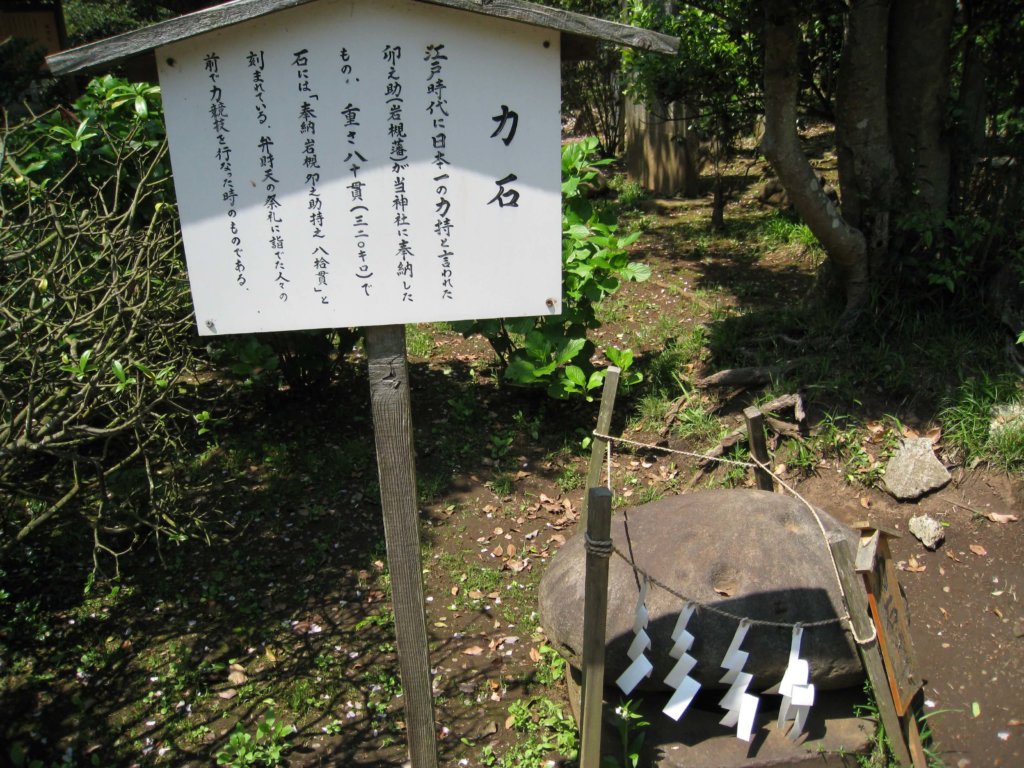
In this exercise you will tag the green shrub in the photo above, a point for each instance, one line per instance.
(554, 352)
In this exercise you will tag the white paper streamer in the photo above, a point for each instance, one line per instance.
(796, 689)
(641, 666)
(679, 678)
(740, 706)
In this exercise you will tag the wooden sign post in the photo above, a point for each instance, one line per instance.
(369, 163)
(392, 426)
(889, 614)
(885, 657)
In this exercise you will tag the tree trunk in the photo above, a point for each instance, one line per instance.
(845, 244)
(918, 54)
(971, 104)
(864, 148)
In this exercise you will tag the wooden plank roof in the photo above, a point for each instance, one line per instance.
(576, 28)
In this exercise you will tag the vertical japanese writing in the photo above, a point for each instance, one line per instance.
(437, 110)
(265, 147)
(218, 121)
(311, 170)
(508, 123)
(399, 156)
(359, 210)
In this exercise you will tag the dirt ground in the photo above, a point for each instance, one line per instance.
(964, 598)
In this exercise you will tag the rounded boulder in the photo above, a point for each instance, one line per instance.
(745, 553)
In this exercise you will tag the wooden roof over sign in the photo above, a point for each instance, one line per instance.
(576, 28)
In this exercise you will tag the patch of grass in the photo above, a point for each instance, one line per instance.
(984, 420)
(697, 424)
(570, 479)
(781, 229)
(502, 484)
(430, 487)
(419, 341)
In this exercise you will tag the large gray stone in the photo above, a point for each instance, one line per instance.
(913, 470)
(751, 553)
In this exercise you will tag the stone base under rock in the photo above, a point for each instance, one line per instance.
(833, 736)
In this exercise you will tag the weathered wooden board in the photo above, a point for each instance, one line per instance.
(571, 25)
(889, 612)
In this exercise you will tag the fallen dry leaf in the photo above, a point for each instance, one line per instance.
(865, 502)
(997, 517)
(511, 550)
(227, 693)
(498, 551)
(473, 650)
(978, 549)
(951, 556)
(534, 655)
(914, 566)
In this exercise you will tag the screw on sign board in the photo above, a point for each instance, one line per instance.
(366, 163)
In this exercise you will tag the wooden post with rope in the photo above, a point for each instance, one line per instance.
(889, 613)
(868, 645)
(599, 445)
(595, 615)
(758, 447)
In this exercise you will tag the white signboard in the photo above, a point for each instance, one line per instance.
(366, 162)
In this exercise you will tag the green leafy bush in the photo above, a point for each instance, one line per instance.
(554, 352)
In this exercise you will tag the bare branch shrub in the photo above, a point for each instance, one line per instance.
(95, 321)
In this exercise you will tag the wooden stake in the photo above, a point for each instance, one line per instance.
(860, 618)
(392, 426)
(599, 445)
(595, 615)
(758, 447)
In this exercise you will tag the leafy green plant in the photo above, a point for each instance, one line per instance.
(551, 667)
(631, 726)
(265, 747)
(554, 352)
(543, 728)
